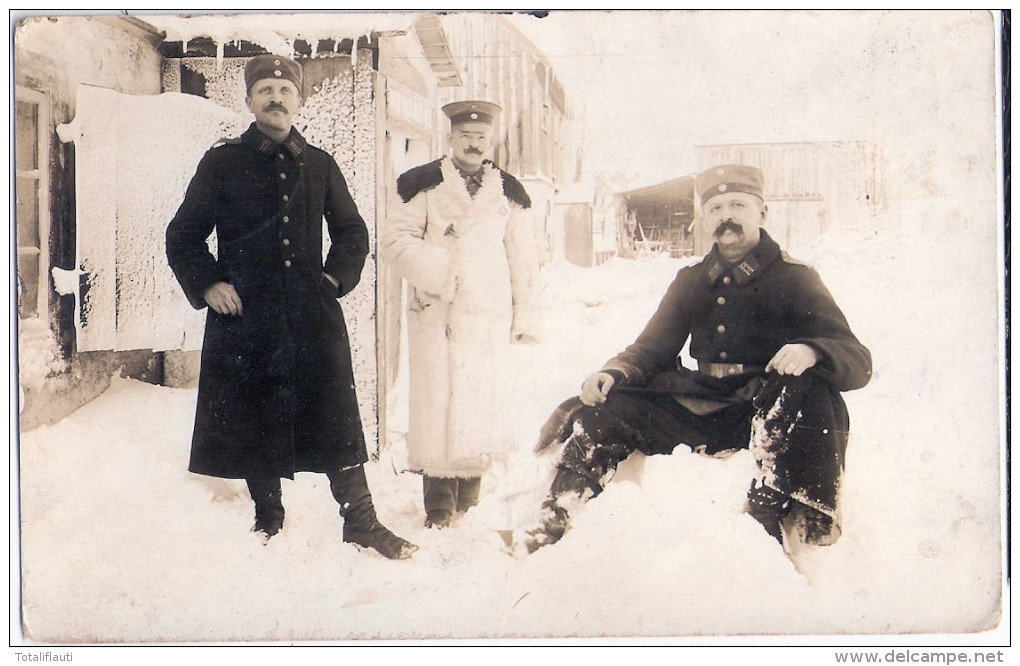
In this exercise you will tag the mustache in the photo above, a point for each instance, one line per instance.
(730, 225)
(472, 151)
(274, 106)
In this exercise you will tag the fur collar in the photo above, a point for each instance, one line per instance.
(427, 176)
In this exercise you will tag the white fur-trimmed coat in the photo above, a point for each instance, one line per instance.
(472, 270)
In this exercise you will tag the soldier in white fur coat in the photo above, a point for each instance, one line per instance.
(464, 238)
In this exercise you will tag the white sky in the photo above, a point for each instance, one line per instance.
(656, 84)
(649, 86)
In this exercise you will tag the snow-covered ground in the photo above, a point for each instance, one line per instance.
(121, 544)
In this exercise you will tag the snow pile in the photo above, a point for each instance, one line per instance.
(122, 544)
(38, 354)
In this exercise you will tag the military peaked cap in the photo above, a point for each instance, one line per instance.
(730, 178)
(472, 111)
(271, 67)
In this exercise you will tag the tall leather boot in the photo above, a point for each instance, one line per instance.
(361, 525)
(769, 507)
(568, 492)
(269, 512)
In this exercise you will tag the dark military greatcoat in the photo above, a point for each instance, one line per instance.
(276, 393)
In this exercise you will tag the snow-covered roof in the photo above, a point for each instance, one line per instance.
(278, 32)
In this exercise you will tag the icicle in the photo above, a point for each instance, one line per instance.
(368, 41)
(354, 50)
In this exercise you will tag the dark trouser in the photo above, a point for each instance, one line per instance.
(349, 488)
(796, 428)
(450, 494)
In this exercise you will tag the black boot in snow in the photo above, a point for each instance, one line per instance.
(569, 489)
(269, 512)
(361, 525)
(554, 524)
(768, 507)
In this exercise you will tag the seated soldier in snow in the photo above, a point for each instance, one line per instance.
(774, 351)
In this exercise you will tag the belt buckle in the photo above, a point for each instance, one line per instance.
(722, 370)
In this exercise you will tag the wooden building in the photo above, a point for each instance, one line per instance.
(810, 188)
(660, 218)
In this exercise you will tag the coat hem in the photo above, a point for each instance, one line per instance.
(447, 473)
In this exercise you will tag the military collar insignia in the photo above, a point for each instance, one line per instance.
(761, 256)
(741, 273)
(294, 144)
(746, 269)
(715, 269)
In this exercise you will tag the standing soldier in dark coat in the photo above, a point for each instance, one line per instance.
(774, 351)
(276, 393)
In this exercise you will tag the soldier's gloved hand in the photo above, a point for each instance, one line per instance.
(596, 387)
(793, 359)
(223, 298)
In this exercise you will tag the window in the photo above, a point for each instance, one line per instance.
(31, 127)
